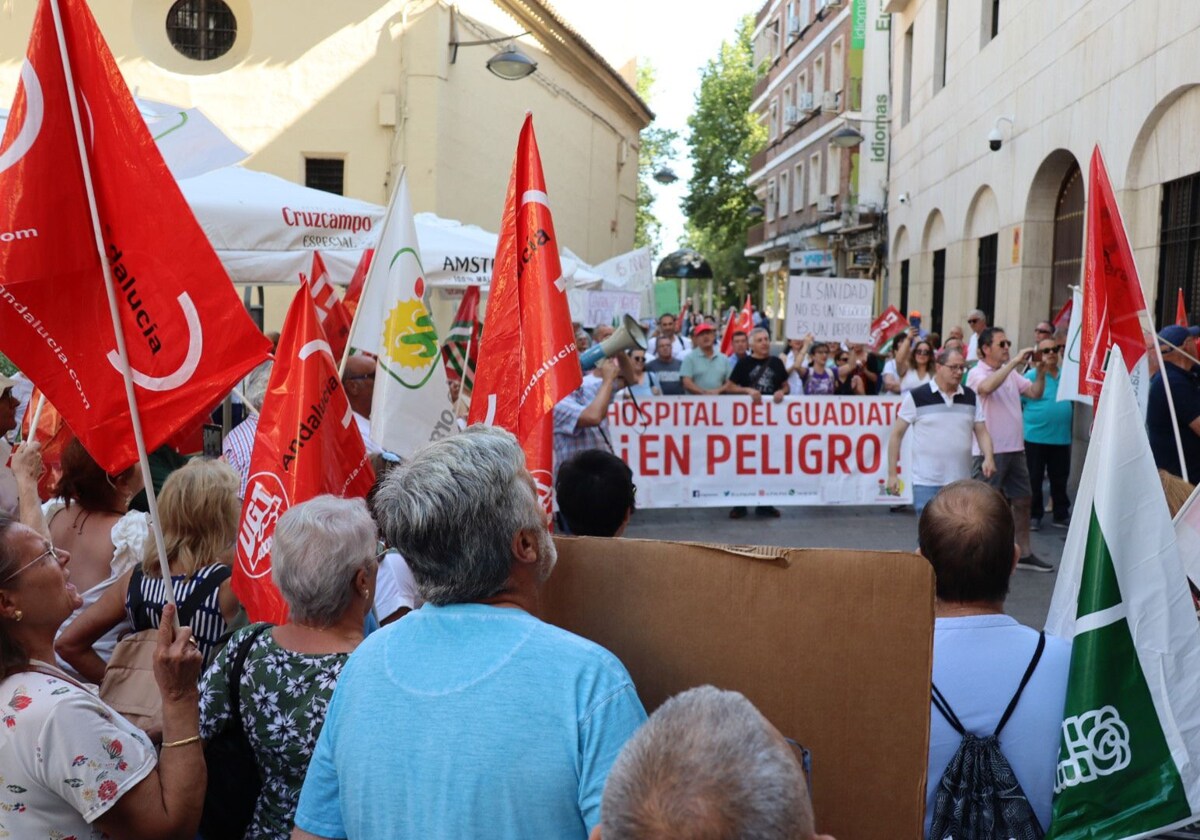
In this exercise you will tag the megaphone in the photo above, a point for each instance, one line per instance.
(630, 335)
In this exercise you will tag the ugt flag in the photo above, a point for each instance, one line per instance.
(1129, 760)
(411, 405)
(1113, 303)
(188, 336)
(527, 358)
(307, 444)
(331, 312)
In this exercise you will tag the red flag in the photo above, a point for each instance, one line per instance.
(1062, 320)
(1112, 294)
(1181, 318)
(354, 290)
(528, 361)
(307, 444)
(738, 322)
(53, 434)
(331, 312)
(890, 323)
(188, 336)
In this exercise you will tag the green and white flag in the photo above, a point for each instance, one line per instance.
(411, 404)
(1130, 741)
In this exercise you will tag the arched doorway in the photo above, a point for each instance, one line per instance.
(1066, 265)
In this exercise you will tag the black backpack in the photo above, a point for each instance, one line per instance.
(234, 783)
(979, 797)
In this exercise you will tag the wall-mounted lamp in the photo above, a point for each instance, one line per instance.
(846, 137)
(510, 63)
(666, 175)
(755, 210)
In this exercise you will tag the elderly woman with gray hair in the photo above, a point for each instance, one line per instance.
(324, 562)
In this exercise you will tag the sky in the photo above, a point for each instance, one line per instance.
(677, 38)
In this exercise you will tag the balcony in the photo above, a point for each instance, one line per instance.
(757, 161)
(760, 86)
(756, 234)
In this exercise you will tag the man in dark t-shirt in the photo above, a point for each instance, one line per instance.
(1178, 350)
(758, 374)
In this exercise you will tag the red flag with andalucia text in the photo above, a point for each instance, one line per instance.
(188, 336)
(307, 444)
(331, 312)
(739, 322)
(1113, 302)
(527, 359)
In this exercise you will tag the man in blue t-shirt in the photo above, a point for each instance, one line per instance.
(471, 717)
(979, 653)
(1178, 351)
(1047, 424)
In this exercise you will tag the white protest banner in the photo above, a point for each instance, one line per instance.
(607, 307)
(633, 271)
(725, 450)
(831, 308)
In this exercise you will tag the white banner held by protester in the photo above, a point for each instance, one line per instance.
(1129, 760)
(724, 450)
(831, 308)
(1068, 382)
(411, 405)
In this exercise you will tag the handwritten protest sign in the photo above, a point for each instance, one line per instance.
(831, 308)
(605, 307)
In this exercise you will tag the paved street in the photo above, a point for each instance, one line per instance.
(841, 527)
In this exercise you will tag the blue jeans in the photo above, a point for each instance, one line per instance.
(922, 495)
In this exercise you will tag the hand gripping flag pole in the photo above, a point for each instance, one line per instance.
(126, 371)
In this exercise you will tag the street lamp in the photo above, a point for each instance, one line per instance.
(666, 175)
(846, 137)
(509, 64)
(755, 210)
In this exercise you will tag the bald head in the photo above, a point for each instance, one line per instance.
(709, 766)
(966, 533)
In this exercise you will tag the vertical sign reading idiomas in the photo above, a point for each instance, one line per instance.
(831, 308)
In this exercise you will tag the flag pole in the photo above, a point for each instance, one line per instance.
(118, 331)
(363, 294)
(37, 415)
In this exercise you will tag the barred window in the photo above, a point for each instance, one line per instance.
(326, 174)
(201, 29)
(1179, 249)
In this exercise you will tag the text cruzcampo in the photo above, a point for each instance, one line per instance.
(309, 426)
(128, 284)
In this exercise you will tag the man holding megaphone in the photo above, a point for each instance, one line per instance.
(581, 419)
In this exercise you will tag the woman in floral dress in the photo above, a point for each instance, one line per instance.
(70, 766)
(323, 561)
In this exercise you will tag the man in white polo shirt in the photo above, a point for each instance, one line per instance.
(946, 417)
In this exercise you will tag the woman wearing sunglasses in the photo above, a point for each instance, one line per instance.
(1048, 437)
(647, 382)
(72, 766)
(915, 365)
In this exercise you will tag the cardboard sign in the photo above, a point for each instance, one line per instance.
(725, 450)
(831, 308)
(609, 307)
(886, 327)
(834, 647)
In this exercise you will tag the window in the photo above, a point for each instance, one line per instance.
(814, 179)
(785, 194)
(776, 28)
(326, 174)
(939, 45)
(904, 285)
(789, 101)
(805, 14)
(771, 199)
(939, 291)
(985, 289)
(773, 125)
(802, 90)
(833, 170)
(906, 79)
(201, 29)
(798, 187)
(1067, 258)
(1179, 248)
(818, 79)
(837, 65)
(989, 26)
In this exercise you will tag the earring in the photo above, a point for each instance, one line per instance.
(18, 615)
(366, 593)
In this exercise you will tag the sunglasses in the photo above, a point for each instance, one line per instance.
(1050, 349)
(972, 320)
(51, 551)
(1041, 330)
(804, 757)
(921, 353)
(1005, 343)
(842, 359)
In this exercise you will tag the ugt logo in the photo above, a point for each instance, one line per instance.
(266, 500)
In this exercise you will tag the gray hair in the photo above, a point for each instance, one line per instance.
(977, 312)
(318, 548)
(255, 385)
(453, 509)
(706, 764)
(758, 330)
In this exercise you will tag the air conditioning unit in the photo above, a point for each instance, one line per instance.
(825, 204)
(793, 26)
(791, 115)
(829, 101)
(806, 103)
(831, 4)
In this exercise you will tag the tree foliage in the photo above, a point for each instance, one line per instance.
(724, 134)
(655, 151)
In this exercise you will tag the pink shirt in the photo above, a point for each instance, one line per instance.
(1003, 409)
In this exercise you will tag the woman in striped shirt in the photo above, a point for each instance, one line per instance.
(199, 509)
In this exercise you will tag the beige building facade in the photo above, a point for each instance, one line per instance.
(342, 95)
(998, 106)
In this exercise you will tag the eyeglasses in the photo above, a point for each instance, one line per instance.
(381, 548)
(804, 757)
(1048, 349)
(1004, 343)
(841, 360)
(1042, 330)
(52, 551)
(972, 320)
(955, 368)
(638, 358)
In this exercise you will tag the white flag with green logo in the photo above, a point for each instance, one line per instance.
(1129, 754)
(411, 405)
